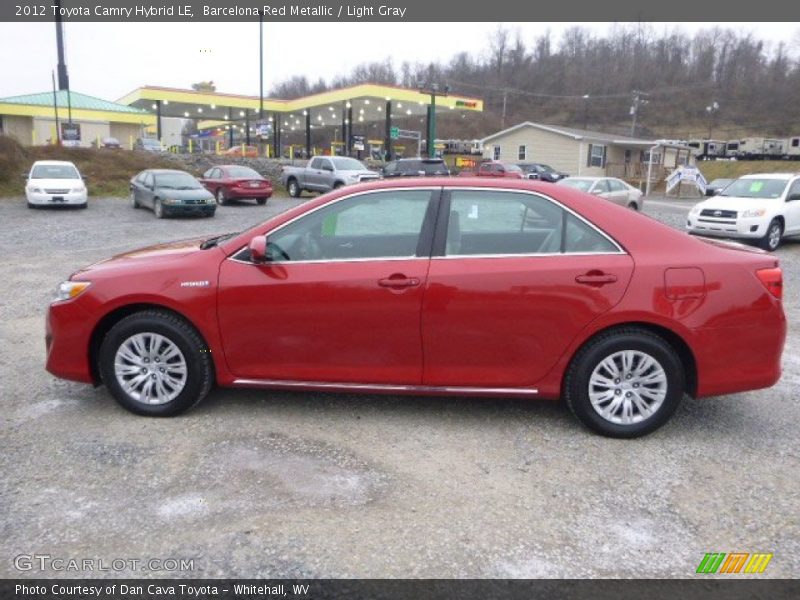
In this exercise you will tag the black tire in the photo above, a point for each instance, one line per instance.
(294, 188)
(158, 209)
(32, 206)
(84, 205)
(261, 201)
(337, 185)
(199, 367)
(633, 206)
(134, 201)
(220, 196)
(772, 238)
(577, 382)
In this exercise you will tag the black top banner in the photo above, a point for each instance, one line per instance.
(399, 10)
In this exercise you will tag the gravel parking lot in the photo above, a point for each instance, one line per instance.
(266, 484)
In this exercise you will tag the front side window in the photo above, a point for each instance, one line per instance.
(615, 185)
(601, 187)
(316, 163)
(522, 153)
(368, 226)
(485, 223)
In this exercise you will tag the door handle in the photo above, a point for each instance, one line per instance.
(398, 281)
(596, 278)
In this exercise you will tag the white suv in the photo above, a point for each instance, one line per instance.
(762, 208)
(55, 182)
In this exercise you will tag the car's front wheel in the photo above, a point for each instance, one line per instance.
(625, 383)
(220, 197)
(158, 209)
(772, 238)
(134, 201)
(156, 364)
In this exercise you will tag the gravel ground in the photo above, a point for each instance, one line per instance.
(267, 484)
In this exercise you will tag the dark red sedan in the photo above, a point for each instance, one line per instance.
(440, 286)
(234, 182)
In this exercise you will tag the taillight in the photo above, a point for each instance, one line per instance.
(772, 280)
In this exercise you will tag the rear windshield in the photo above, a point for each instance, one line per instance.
(54, 172)
(348, 164)
(177, 181)
(756, 188)
(243, 172)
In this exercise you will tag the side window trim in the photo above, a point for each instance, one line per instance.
(440, 237)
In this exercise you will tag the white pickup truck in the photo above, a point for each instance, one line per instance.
(325, 173)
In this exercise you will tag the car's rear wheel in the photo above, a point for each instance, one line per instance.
(294, 188)
(220, 197)
(261, 201)
(772, 238)
(625, 383)
(155, 364)
(158, 209)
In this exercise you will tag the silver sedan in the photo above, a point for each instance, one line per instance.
(610, 188)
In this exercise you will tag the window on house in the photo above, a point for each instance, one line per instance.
(496, 153)
(522, 153)
(656, 157)
(597, 157)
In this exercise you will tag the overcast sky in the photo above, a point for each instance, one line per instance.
(111, 59)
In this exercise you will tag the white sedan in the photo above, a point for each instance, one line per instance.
(610, 188)
(55, 183)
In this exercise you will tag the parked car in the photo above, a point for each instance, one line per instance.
(234, 182)
(541, 171)
(760, 208)
(55, 183)
(242, 150)
(148, 145)
(717, 185)
(170, 192)
(325, 173)
(610, 188)
(108, 142)
(495, 168)
(416, 167)
(506, 288)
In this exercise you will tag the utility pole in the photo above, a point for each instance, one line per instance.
(505, 102)
(712, 109)
(433, 90)
(637, 102)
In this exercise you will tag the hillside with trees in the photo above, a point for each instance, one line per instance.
(583, 79)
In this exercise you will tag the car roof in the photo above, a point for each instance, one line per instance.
(769, 176)
(53, 162)
(163, 171)
(421, 159)
(587, 177)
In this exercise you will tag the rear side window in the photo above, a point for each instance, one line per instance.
(316, 163)
(485, 223)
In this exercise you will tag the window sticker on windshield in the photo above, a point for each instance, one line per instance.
(473, 212)
(756, 186)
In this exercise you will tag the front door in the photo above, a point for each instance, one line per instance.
(340, 298)
(516, 280)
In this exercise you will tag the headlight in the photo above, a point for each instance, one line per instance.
(756, 212)
(35, 190)
(70, 289)
(78, 190)
(695, 211)
(171, 201)
(210, 201)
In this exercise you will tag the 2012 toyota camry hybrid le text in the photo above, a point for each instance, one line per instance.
(432, 286)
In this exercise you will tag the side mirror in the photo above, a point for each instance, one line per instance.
(25, 176)
(258, 249)
(792, 197)
(327, 168)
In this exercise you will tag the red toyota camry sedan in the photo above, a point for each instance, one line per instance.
(234, 182)
(437, 286)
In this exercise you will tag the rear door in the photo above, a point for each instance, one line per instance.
(146, 193)
(793, 208)
(513, 279)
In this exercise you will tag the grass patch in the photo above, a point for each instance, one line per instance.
(733, 169)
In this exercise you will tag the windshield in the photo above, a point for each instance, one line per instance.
(547, 168)
(579, 184)
(243, 172)
(348, 164)
(177, 181)
(55, 172)
(756, 188)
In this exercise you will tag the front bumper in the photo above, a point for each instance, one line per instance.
(68, 329)
(56, 199)
(189, 209)
(740, 227)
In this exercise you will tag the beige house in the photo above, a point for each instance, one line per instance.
(587, 153)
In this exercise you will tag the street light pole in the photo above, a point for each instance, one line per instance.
(260, 65)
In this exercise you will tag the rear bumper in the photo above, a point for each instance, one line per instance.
(244, 193)
(738, 359)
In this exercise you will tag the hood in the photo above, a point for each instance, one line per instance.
(734, 203)
(55, 184)
(158, 253)
(196, 194)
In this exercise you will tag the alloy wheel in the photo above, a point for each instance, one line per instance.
(150, 368)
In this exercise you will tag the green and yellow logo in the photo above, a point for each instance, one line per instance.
(734, 563)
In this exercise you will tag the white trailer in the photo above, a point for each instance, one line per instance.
(791, 148)
(754, 148)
